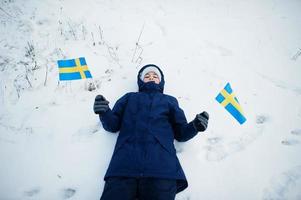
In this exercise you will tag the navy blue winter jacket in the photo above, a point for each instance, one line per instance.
(148, 122)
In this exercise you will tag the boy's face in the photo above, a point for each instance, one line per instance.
(151, 76)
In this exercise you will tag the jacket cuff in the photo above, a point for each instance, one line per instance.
(105, 115)
(192, 129)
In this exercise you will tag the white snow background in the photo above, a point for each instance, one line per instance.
(52, 145)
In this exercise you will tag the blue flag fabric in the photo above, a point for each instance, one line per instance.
(73, 69)
(228, 100)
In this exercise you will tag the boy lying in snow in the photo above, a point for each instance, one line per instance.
(144, 164)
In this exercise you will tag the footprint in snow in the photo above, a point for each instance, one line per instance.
(219, 151)
(86, 132)
(32, 192)
(216, 153)
(220, 148)
(290, 142)
(261, 119)
(285, 186)
(68, 193)
(296, 132)
(214, 140)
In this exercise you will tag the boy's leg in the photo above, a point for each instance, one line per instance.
(120, 188)
(157, 189)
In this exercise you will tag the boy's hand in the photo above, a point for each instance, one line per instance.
(200, 121)
(101, 105)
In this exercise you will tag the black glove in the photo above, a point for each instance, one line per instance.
(101, 105)
(200, 121)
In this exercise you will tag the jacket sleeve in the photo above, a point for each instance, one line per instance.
(183, 131)
(111, 120)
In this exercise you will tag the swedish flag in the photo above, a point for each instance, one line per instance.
(73, 69)
(227, 99)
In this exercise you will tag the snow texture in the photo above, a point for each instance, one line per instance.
(52, 146)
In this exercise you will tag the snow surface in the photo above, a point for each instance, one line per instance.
(52, 145)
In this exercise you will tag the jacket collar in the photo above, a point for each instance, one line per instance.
(150, 87)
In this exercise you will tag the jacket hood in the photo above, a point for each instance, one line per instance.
(150, 86)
